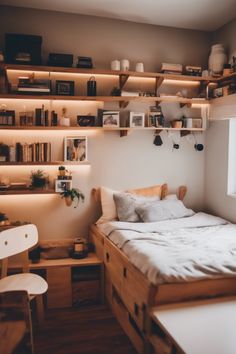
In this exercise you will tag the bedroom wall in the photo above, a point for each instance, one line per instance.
(218, 198)
(119, 163)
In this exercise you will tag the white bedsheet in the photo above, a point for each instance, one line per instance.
(188, 249)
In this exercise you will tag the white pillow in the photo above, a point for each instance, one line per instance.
(126, 204)
(109, 212)
(163, 210)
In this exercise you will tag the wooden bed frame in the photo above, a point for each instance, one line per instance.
(132, 296)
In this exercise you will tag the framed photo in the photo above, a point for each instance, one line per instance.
(136, 120)
(75, 149)
(111, 119)
(62, 184)
(65, 88)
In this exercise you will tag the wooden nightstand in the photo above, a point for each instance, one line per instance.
(71, 281)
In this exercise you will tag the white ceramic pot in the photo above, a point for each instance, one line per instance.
(139, 67)
(115, 65)
(217, 59)
(124, 64)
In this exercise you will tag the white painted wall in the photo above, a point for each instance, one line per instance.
(116, 162)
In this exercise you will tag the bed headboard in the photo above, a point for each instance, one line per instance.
(182, 190)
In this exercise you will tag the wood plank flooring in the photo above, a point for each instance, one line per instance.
(88, 330)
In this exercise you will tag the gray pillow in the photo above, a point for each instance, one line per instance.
(126, 204)
(163, 210)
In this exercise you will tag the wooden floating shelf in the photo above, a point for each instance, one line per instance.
(87, 128)
(27, 191)
(167, 99)
(53, 163)
(89, 72)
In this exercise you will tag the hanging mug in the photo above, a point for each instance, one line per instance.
(91, 87)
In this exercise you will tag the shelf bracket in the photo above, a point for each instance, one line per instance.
(188, 105)
(185, 132)
(123, 133)
(122, 80)
(123, 104)
(158, 82)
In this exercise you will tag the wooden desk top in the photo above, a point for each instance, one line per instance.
(200, 327)
(92, 259)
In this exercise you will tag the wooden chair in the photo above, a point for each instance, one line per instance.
(15, 324)
(14, 241)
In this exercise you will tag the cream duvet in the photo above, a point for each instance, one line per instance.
(198, 247)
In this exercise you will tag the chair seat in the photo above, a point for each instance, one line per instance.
(32, 283)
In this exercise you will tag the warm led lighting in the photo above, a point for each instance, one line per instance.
(181, 82)
(199, 105)
(20, 72)
(140, 79)
(60, 73)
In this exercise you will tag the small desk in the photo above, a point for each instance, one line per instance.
(199, 327)
(58, 274)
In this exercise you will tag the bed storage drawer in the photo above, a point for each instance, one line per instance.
(114, 265)
(98, 241)
(135, 293)
(127, 322)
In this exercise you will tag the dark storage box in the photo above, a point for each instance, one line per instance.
(23, 49)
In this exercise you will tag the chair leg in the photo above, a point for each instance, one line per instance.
(40, 309)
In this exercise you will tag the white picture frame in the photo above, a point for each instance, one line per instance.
(111, 119)
(62, 184)
(76, 149)
(137, 120)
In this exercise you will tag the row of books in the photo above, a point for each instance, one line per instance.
(34, 152)
(7, 117)
(177, 69)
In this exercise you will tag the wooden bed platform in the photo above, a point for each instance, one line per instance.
(132, 296)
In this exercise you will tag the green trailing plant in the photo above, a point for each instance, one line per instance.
(39, 179)
(72, 195)
(61, 168)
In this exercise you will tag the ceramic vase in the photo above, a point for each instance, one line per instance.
(217, 59)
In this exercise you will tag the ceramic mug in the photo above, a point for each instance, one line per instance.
(139, 67)
(124, 64)
(115, 65)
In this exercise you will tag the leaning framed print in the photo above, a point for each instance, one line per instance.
(76, 149)
(65, 88)
(136, 120)
(61, 185)
(111, 119)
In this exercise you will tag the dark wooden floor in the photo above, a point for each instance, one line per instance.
(90, 330)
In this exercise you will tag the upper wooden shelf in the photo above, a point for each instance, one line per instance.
(52, 163)
(168, 99)
(27, 191)
(52, 69)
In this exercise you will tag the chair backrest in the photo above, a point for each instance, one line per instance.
(17, 240)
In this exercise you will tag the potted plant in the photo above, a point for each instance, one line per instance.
(39, 179)
(71, 195)
(4, 219)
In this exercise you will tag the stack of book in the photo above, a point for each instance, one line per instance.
(34, 152)
(29, 86)
(168, 68)
(193, 70)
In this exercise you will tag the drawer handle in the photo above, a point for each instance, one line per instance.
(136, 309)
(107, 257)
(125, 272)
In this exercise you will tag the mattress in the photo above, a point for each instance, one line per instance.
(193, 248)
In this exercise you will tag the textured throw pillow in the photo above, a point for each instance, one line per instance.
(163, 210)
(126, 204)
(171, 197)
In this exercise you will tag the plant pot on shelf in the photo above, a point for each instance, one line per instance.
(68, 201)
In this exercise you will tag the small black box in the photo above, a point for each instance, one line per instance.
(23, 49)
(63, 60)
